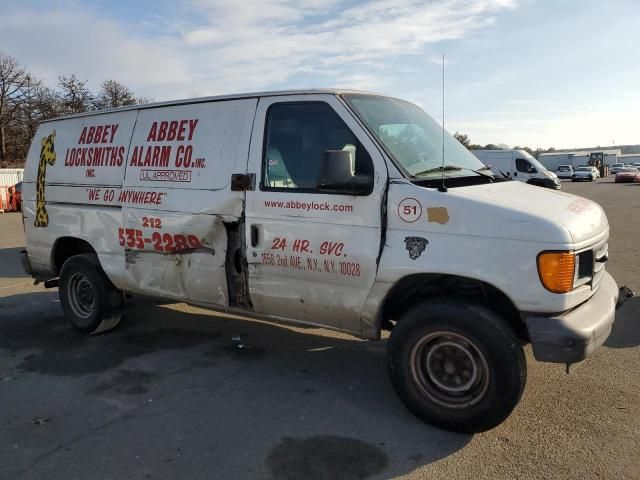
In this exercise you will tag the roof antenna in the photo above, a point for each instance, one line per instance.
(442, 187)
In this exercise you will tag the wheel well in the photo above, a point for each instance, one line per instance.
(417, 288)
(66, 247)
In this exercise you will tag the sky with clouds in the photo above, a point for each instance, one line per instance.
(562, 73)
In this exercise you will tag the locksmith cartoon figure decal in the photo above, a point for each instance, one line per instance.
(47, 157)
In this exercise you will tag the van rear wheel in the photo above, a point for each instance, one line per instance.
(456, 366)
(90, 301)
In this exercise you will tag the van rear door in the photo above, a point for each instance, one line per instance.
(312, 253)
(179, 211)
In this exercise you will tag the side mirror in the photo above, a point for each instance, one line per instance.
(336, 175)
(531, 169)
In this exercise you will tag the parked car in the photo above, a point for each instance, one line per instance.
(628, 175)
(616, 168)
(596, 172)
(636, 164)
(309, 207)
(584, 174)
(564, 171)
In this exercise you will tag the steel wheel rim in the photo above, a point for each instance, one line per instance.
(450, 369)
(81, 296)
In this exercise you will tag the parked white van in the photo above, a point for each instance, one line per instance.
(328, 208)
(519, 165)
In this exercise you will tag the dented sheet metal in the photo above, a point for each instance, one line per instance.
(176, 255)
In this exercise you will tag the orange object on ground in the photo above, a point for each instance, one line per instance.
(4, 199)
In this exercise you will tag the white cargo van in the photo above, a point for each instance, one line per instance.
(519, 165)
(329, 208)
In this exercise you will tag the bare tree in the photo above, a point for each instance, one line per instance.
(463, 139)
(144, 100)
(113, 94)
(24, 121)
(75, 97)
(14, 81)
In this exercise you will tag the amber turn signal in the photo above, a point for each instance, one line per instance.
(556, 270)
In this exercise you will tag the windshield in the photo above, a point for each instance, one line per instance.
(532, 160)
(413, 138)
(584, 169)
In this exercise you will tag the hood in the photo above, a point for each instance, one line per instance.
(534, 213)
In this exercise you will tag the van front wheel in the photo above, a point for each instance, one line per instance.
(89, 300)
(456, 366)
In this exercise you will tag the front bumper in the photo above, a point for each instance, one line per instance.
(551, 183)
(573, 336)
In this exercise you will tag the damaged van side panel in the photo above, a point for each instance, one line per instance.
(183, 258)
(178, 248)
(148, 190)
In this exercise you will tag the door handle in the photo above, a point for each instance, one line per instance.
(515, 174)
(255, 238)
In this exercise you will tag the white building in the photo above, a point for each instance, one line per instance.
(577, 158)
(629, 158)
(10, 176)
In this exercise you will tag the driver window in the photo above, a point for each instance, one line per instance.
(297, 137)
(523, 166)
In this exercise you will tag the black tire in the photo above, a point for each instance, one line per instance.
(91, 303)
(474, 342)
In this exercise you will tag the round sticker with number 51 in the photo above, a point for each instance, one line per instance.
(409, 210)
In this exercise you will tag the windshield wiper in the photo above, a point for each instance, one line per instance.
(480, 172)
(446, 168)
(450, 168)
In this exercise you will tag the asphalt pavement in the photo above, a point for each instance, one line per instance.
(169, 395)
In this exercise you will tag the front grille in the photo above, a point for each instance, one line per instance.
(591, 265)
(601, 255)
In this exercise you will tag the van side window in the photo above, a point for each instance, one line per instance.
(296, 139)
(523, 166)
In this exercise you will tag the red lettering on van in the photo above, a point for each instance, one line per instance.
(153, 132)
(182, 129)
(162, 131)
(331, 248)
(173, 126)
(192, 127)
(90, 134)
(98, 134)
(174, 130)
(114, 129)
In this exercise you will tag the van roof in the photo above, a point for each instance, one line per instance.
(216, 98)
(499, 150)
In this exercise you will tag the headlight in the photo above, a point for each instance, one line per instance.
(556, 270)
